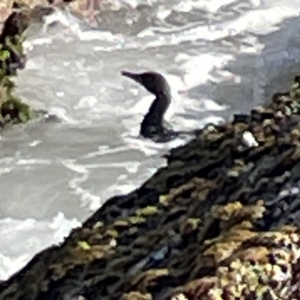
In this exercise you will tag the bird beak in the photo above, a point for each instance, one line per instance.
(135, 77)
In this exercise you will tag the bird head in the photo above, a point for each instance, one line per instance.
(153, 82)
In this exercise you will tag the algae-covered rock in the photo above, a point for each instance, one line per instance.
(12, 58)
(15, 111)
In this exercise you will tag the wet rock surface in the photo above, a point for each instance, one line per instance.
(12, 58)
(220, 221)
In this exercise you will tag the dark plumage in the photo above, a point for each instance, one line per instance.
(153, 125)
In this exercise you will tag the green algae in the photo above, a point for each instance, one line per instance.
(84, 245)
(194, 222)
(98, 225)
(163, 199)
(147, 211)
(136, 220)
(14, 111)
(12, 58)
(4, 54)
(121, 223)
(112, 233)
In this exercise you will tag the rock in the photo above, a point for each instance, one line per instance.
(12, 58)
(220, 221)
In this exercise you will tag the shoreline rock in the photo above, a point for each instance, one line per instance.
(12, 58)
(220, 221)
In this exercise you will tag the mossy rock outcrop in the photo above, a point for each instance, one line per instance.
(12, 58)
(219, 222)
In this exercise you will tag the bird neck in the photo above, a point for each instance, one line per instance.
(153, 122)
(159, 106)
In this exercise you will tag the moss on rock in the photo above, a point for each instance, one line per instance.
(12, 58)
(15, 111)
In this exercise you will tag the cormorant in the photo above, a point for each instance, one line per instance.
(153, 125)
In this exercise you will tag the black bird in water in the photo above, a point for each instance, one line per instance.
(153, 125)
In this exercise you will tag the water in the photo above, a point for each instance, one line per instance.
(219, 57)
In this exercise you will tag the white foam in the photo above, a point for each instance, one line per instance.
(35, 236)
